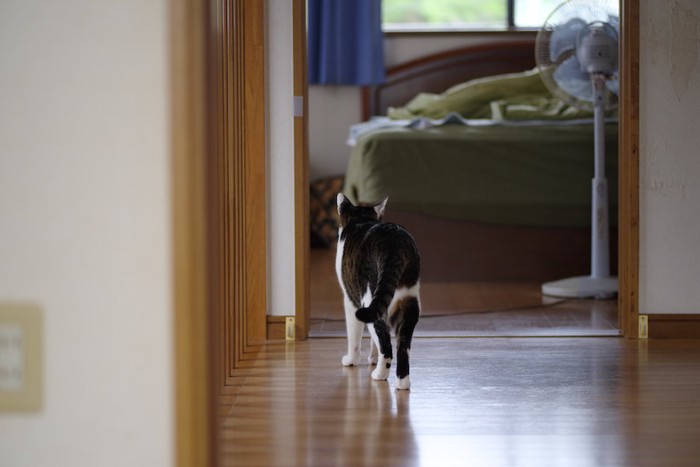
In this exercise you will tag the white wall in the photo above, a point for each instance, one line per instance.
(280, 158)
(85, 227)
(332, 109)
(669, 157)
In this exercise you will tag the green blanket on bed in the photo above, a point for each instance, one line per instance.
(537, 175)
(516, 96)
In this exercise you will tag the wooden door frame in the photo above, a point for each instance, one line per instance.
(301, 172)
(235, 174)
(194, 406)
(217, 56)
(628, 226)
(628, 230)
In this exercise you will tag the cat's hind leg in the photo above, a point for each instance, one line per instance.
(406, 319)
(373, 353)
(354, 329)
(382, 339)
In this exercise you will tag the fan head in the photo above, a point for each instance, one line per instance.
(580, 38)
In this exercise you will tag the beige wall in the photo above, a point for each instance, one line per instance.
(85, 227)
(669, 157)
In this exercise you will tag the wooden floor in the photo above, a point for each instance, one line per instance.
(470, 309)
(474, 401)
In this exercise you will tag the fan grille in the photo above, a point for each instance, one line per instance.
(555, 51)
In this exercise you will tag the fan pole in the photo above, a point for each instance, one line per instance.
(599, 284)
(600, 233)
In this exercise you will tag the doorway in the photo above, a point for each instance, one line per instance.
(499, 308)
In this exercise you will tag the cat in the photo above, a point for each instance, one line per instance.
(378, 267)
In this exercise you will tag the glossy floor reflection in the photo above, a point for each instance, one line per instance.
(503, 401)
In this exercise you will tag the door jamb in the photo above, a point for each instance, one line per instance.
(628, 227)
(301, 171)
(194, 404)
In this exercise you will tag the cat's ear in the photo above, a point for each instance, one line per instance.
(342, 201)
(379, 207)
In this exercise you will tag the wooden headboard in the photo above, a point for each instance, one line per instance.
(436, 73)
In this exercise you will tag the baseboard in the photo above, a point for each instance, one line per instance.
(662, 326)
(276, 327)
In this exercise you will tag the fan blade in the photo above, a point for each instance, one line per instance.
(573, 80)
(563, 39)
(614, 21)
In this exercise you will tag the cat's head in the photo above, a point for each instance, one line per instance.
(350, 213)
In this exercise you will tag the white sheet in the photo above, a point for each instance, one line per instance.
(452, 118)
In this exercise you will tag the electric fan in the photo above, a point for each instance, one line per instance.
(576, 54)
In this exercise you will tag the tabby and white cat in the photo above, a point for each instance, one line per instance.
(378, 269)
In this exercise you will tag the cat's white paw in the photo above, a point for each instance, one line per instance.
(381, 373)
(351, 359)
(372, 359)
(403, 383)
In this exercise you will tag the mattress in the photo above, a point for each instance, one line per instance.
(534, 175)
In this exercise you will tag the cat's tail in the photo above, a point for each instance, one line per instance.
(387, 282)
(368, 314)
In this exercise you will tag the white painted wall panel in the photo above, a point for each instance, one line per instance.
(669, 157)
(280, 109)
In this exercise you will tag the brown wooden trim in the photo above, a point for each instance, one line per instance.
(237, 180)
(674, 326)
(628, 226)
(255, 271)
(217, 166)
(479, 52)
(301, 175)
(195, 420)
(276, 328)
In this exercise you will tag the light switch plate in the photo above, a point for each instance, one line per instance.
(20, 357)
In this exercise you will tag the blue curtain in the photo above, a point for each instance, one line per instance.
(346, 43)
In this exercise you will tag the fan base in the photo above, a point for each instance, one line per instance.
(582, 287)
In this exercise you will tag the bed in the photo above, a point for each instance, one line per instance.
(501, 192)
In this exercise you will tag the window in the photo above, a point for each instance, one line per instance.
(459, 15)
(532, 13)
